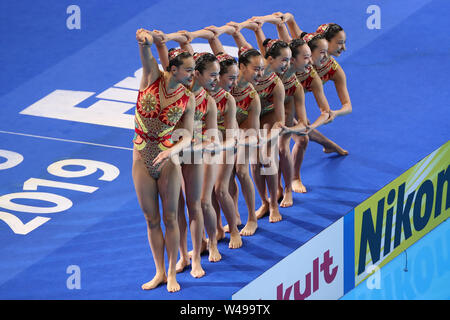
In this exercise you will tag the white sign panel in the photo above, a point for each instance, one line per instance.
(313, 271)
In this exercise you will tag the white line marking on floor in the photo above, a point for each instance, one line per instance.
(66, 140)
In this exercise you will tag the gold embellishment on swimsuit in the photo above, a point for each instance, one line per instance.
(148, 102)
(174, 114)
(198, 115)
(252, 94)
(334, 65)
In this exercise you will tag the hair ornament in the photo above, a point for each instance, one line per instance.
(175, 53)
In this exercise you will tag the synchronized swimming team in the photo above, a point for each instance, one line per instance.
(207, 118)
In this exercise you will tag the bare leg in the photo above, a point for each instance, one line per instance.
(169, 184)
(248, 191)
(147, 194)
(267, 170)
(182, 224)
(298, 153)
(221, 189)
(328, 145)
(286, 170)
(234, 192)
(193, 177)
(209, 213)
(260, 183)
(216, 206)
(272, 183)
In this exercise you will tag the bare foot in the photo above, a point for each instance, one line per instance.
(197, 270)
(220, 234)
(287, 199)
(337, 149)
(238, 223)
(263, 210)
(297, 186)
(214, 255)
(203, 249)
(227, 228)
(274, 215)
(250, 228)
(235, 240)
(172, 284)
(279, 194)
(181, 264)
(156, 281)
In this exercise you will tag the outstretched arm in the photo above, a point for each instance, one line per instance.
(214, 42)
(255, 24)
(340, 81)
(150, 69)
(326, 115)
(183, 39)
(237, 35)
(185, 43)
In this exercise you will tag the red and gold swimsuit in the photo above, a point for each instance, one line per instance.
(327, 71)
(306, 78)
(221, 97)
(243, 98)
(290, 84)
(201, 110)
(157, 113)
(265, 91)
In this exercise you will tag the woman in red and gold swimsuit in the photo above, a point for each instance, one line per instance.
(163, 103)
(199, 175)
(295, 112)
(311, 82)
(328, 40)
(336, 37)
(221, 197)
(271, 93)
(239, 78)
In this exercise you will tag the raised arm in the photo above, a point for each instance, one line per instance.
(214, 42)
(186, 44)
(255, 24)
(260, 36)
(283, 33)
(237, 35)
(150, 68)
(292, 25)
(160, 39)
(202, 33)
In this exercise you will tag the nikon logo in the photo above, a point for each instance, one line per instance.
(420, 201)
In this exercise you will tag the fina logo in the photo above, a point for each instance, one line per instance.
(111, 106)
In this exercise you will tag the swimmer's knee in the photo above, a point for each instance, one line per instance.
(206, 206)
(170, 219)
(153, 220)
(241, 171)
(221, 192)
